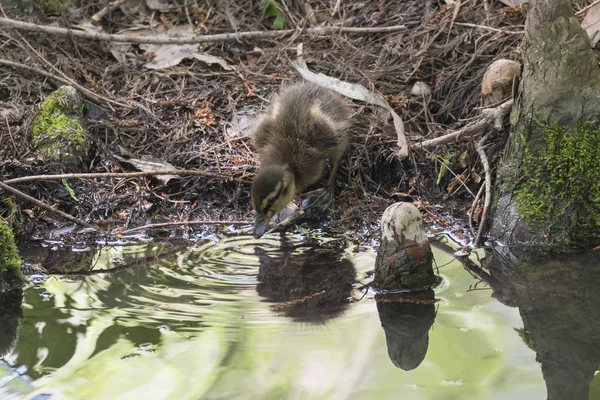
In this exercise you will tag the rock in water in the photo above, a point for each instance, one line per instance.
(404, 258)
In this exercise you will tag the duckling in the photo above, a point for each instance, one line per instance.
(304, 126)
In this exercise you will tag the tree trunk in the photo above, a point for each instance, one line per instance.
(548, 184)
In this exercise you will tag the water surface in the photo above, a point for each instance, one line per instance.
(276, 318)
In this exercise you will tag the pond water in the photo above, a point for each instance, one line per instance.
(274, 318)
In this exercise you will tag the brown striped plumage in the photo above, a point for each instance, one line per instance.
(304, 126)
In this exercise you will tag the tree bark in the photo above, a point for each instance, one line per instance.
(541, 198)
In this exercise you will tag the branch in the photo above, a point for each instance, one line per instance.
(33, 69)
(488, 187)
(163, 224)
(85, 92)
(163, 39)
(489, 28)
(178, 172)
(46, 206)
(491, 116)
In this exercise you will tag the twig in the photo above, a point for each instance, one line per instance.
(477, 197)
(221, 37)
(336, 7)
(179, 172)
(489, 28)
(163, 224)
(85, 92)
(490, 115)
(98, 16)
(488, 186)
(457, 6)
(33, 69)
(45, 206)
(587, 8)
(89, 94)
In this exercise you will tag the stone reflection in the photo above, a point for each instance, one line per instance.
(558, 302)
(59, 260)
(406, 319)
(309, 283)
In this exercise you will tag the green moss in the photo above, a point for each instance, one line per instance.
(10, 261)
(561, 178)
(57, 133)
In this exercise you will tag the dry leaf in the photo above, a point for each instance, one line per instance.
(512, 3)
(161, 5)
(354, 91)
(148, 164)
(241, 123)
(120, 51)
(591, 24)
(169, 55)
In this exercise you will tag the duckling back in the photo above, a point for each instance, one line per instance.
(304, 125)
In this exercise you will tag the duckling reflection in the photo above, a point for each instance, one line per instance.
(311, 284)
(556, 297)
(11, 314)
(406, 319)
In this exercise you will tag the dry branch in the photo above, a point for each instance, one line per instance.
(186, 223)
(491, 116)
(178, 172)
(489, 28)
(221, 37)
(488, 187)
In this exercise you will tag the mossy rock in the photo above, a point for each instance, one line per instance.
(58, 131)
(10, 261)
(46, 6)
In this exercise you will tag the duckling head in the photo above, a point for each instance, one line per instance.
(272, 190)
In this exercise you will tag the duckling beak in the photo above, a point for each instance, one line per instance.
(260, 225)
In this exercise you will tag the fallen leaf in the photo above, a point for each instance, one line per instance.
(241, 123)
(512, 3)
(147, 163)
(354, 91)
(161, 5)
(169, 55)
(591, 24)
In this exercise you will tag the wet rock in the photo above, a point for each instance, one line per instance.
(10, 261)
(404, 258)
(58, 131)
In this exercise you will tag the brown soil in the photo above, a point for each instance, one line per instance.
(182, 114)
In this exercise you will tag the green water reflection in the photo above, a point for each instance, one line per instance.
(268, 319)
